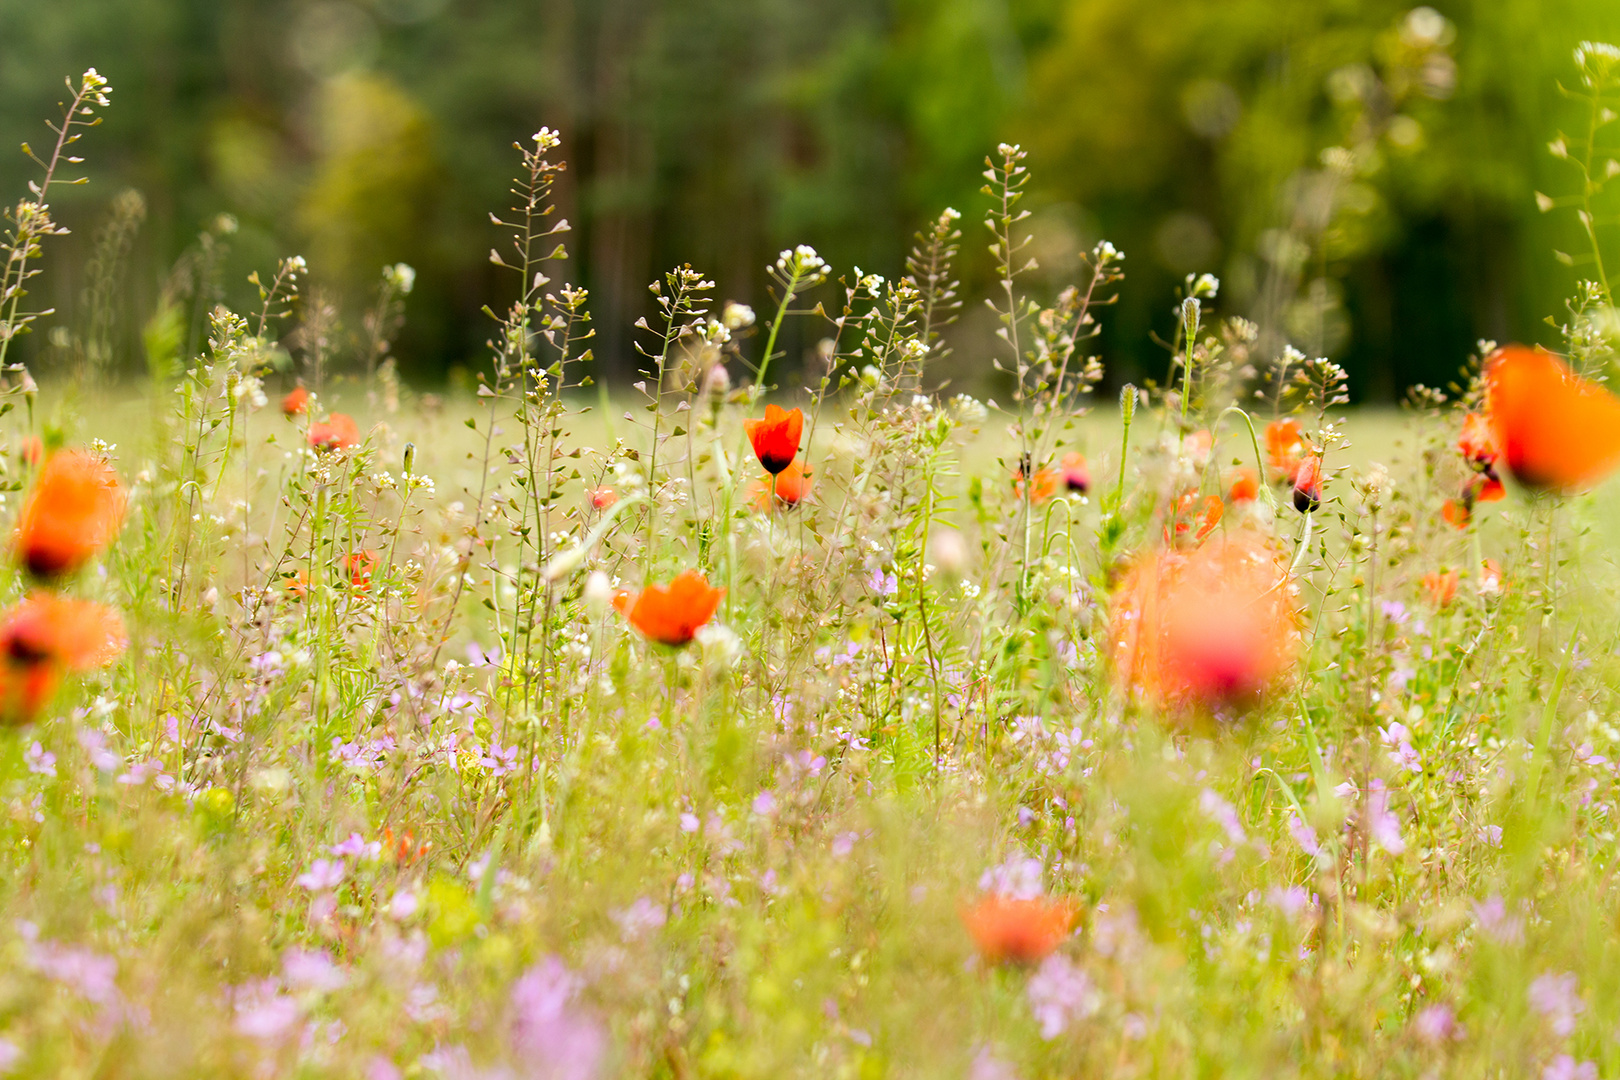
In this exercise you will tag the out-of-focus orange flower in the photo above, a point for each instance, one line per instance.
(74, 511)
(360, 565)
(44, 637)
(1555, 430)
(1244, 486)
(1006, 930)
(297, 585)
(1308, 485)
(776, 437)
(1475, 442)
(671, 614)
(296, 403)
(1044, 487)
(790, 486)
(1285, 446)
(32, 451)
(1491, 580)
(1076, 475)
(1217, 626)
(405, 850)
(1440, 588)
(339, 432)
(1197, 521)
(603, 497)
(1478, 488)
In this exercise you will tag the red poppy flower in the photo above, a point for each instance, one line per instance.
(405, 850)
(1440, 588)
(1044, 487)
(671, 614)
(1017, 931)
(1456, 513)
(339, 432)
(1308, 485)
(32, 451)
(776, 438)
(1554, 429)
(1244, 486)
(1196, 521)
(296, 403)
(603, 497)
(45, 636)
(360, 565)
(1216, 626)
(1285, 446)
(1475, 442)
(73, 512)
(790, 486)
(1076, 477)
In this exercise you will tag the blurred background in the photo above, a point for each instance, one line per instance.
(1361, 175)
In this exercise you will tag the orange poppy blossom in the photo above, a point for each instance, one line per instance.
(405, 850)
(73, 512)
(1006, 930)
(1479, 488)
(776, 437)
(1285, 446)
(1196, 521)
(296, 585)
(1440, 588)
(671, 614)
(603, 497)
(1243, 487)
(790, 486)
(32, 451)
(1042, 489)
(45, 636)
(1555, 431)
(296, 403)
(360, 565)
(1212, 627)
(339, 432)
(1492, 582)
(1308, 485)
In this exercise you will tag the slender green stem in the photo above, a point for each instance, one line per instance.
(776, 325)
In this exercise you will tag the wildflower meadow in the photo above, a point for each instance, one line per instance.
(776, 720)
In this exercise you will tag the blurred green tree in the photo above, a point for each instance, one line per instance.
(364, 132)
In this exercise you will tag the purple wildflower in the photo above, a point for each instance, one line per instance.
(41, 762)
(1435, 1024)
(1382, 824)
(1018, 878)
(551, 1034)
(1060, 992)
(1493, 919)
(1557, 997)
(263, 1011)
(1564, 1067)
(322, 875)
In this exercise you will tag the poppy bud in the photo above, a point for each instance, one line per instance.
(1308, 485)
